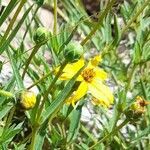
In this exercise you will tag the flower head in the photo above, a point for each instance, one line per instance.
(139, 105)
(91, 80)
(28, 99)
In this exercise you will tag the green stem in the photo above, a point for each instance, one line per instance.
(126, 90)
(40, 80)
(130, 78)
(88, 134)
(9, 28)
(49, 90)
(34, 133)
(110, 134)
(28, 26)
(36, 48)
(100, 20)
(7, 94)
(55, 17)
(38, 115)
(144, 89)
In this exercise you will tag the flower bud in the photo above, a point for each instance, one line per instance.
(137, 109)
(27, 99)
(139, 105)
(41, 35)
(39, 2)
(73, 51)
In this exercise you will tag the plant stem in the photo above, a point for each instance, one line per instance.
(88, 134)
(40, 80)
(110, 134)
(34, 133)
(38, 115)
(36, 48)
(100, 20)
(55, 17)
(7, 94)
(49, 89)
(130, 78)
(126, 90)
(28, 26)
(143, 89)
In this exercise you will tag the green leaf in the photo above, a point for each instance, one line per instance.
(9, 133)
(20, 147)
(141, 134)
(116, 31)
(137, 52)
(8, 10)
(1, 66)
(74, 124)
(40, 137)
(15, 71)
(4, 110)
(106, 30)
(14, 32)
(60, 98)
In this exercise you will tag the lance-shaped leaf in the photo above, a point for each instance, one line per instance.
(14, 32)
(74, 124)
(60, 98)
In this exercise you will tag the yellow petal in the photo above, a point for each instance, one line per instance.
(100, 74)
(69, 69)
(96, 60)
(78, 65)
(73, 67)
(105, 90)
(82, 89)
(101, 92)
(66, 76)
(78, 94)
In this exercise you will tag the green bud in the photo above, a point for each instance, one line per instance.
(39, 2)
(41, 35)
(73, 51)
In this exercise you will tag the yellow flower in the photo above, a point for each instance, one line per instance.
(91, 80)
(28, 99)
(139, 105)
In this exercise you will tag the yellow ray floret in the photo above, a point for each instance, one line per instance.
(91, 80)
